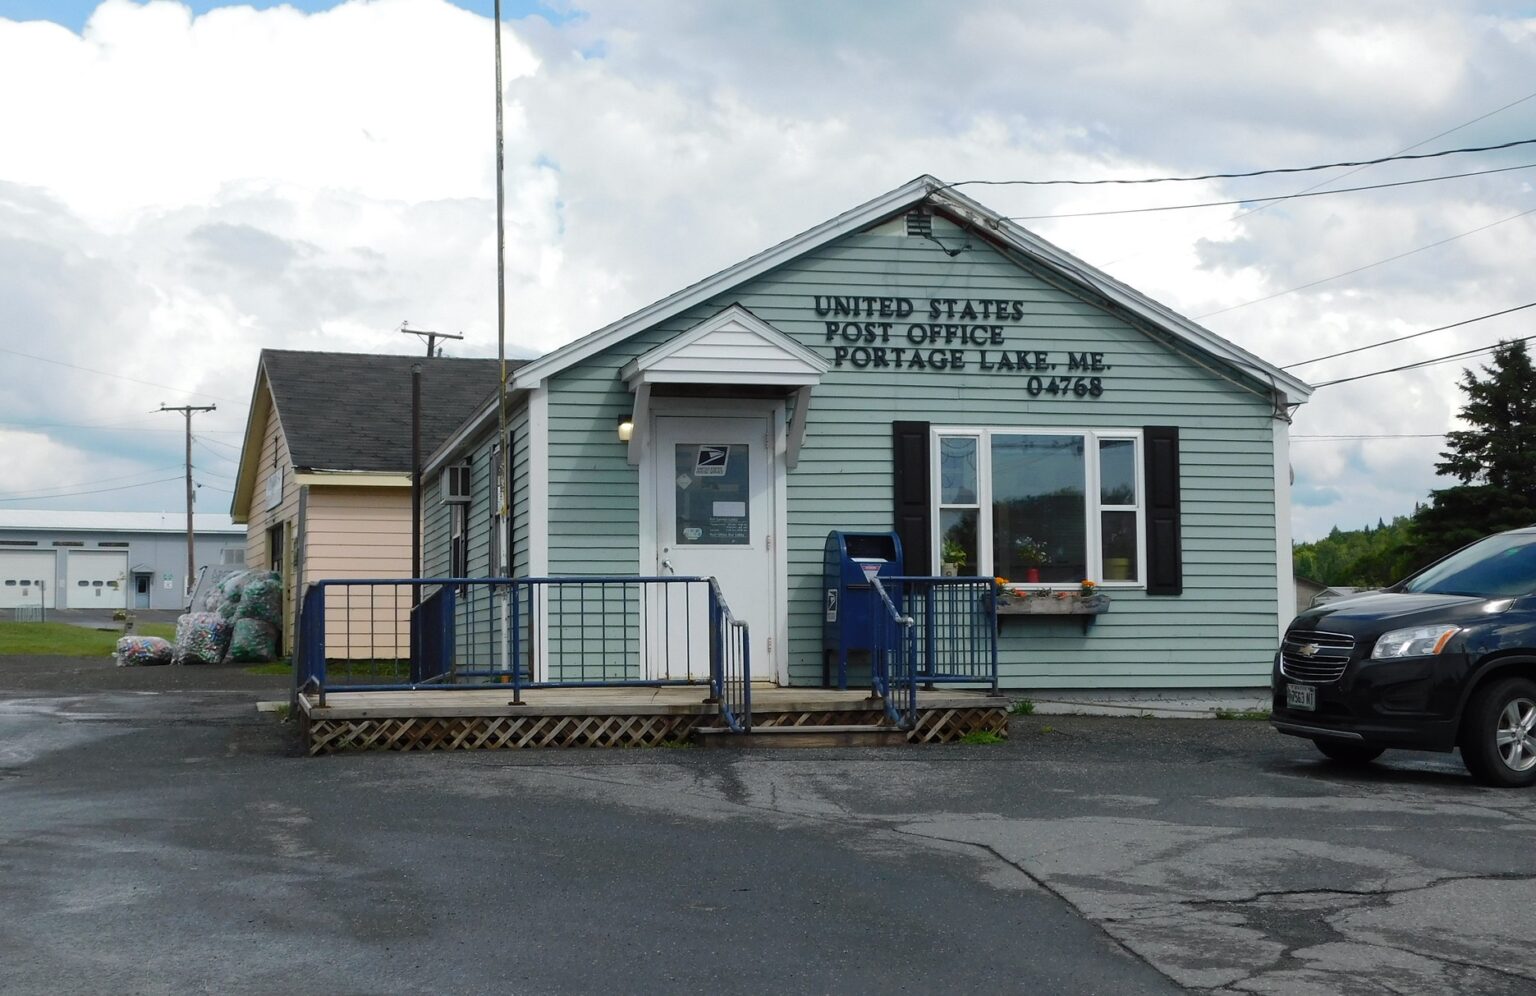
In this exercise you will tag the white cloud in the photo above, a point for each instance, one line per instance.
(177, 192)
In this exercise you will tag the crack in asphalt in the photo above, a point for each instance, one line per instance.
(1382, 890)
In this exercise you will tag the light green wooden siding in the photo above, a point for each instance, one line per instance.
(478, 612)
(517, 422)
(434, 528)
(1220, 632)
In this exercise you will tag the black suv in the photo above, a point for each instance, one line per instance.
(1444, 659)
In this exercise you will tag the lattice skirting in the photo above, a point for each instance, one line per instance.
(327, 736)
(943, 726)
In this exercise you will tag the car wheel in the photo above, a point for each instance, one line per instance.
(1348, 751)
(1498, 733)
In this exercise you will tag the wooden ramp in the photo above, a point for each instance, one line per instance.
(485, 718)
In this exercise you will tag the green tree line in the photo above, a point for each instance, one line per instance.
(1494, 462)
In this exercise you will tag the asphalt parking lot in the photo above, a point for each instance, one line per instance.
(158, 836)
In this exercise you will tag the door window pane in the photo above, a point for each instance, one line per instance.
(1117, 471)
(713, 494)
(1039, 508)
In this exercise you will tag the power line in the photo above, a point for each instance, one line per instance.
(1370, 435)
(1238, 176)
(108, 373)
(1405, 338)
(1259, 200)
(212, 453)
(1465, 354)
(1342, 176)
(99, 480)
(1367, 266)
(1407, 148)
(97, 491)
(202, 438)
(110, 427)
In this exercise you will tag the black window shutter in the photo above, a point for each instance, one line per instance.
(1165, 552)
(910, 472)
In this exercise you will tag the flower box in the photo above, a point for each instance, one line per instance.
(1067, 604)
(1054, 604)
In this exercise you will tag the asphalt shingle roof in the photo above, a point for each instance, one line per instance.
(352, 411)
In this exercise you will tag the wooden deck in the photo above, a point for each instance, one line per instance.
(481, 718)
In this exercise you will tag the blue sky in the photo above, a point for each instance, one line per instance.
(74, 13)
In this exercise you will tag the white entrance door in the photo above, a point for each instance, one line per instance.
(714, 503)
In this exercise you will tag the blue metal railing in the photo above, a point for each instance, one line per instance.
(893, 653)
(515, 634)
(955, 627)
(928, 631)
(730, 655)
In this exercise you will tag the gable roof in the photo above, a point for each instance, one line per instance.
(351, 412)
(931, 193)
(734, 346)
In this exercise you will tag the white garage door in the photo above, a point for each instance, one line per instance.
(97, 580)
(20, 572)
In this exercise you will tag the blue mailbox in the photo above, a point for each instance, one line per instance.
(849, 602)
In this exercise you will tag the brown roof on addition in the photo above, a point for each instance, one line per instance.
(352, 411)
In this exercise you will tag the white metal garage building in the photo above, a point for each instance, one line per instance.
(107, 560)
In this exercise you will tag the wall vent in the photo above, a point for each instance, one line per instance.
(920, 224)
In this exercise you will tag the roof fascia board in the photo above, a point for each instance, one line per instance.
(1126, 297)
(352, 478)
(468, 429)
(540, 370)
(250, 446)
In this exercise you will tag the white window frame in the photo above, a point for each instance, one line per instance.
(1093, 522)
(458, 540)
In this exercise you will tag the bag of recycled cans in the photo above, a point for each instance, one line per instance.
(261, 598)
(231, 590)
(143, 651)
(201, 638)
(213, 600)
(252, 641)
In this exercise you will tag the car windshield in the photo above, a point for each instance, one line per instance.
(1497, 567)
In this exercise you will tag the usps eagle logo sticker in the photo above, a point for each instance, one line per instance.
(711, 461)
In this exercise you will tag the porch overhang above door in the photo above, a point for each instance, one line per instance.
(734, 348)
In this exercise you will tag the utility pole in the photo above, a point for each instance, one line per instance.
(189, 411)
(428, 336)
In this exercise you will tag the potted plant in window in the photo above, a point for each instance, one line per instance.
(951, 558)
(1033, 555)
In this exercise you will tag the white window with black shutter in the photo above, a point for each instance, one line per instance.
(1041, 506)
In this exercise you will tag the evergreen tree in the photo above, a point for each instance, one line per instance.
(1494, 459)
(1500, 446)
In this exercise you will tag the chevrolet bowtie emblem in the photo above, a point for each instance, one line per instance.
(1308, 649)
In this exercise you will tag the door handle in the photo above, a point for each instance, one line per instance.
(666, 565)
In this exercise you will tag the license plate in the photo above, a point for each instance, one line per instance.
(1301, 697)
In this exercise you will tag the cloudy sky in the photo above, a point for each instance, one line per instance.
(182, 184)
